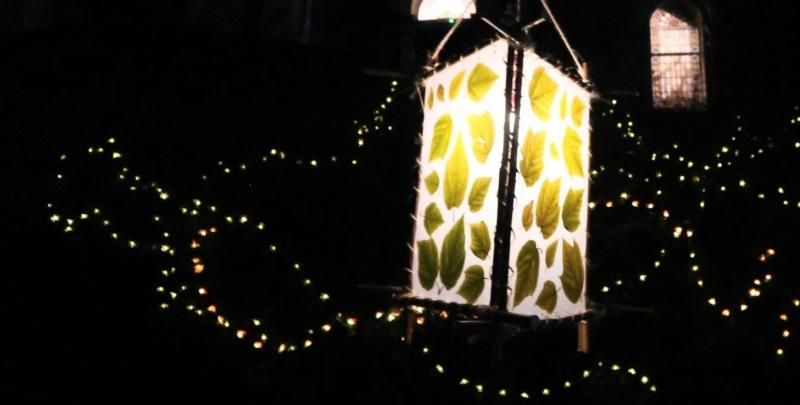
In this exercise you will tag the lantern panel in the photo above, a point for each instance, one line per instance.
(462, 142)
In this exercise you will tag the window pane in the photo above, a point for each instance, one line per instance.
(671, 34)
(678, 70)
(678, 81)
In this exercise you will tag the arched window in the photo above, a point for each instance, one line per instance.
(676, 59)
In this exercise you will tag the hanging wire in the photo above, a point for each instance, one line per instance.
(581, 68)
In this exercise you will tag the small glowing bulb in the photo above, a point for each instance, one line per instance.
(712, 301)
(780, 352)
(241, 334)
(440, 369)
(726, 312)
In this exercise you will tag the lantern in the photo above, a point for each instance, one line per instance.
(503, 185)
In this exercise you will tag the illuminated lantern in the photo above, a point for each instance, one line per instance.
(427, 10)
(503, 191)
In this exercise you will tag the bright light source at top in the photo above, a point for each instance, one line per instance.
(443, 9)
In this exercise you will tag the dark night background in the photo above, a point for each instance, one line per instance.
(183, 85)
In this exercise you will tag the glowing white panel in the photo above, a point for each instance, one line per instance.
(445, 9)
(462, 142)
(548, 238)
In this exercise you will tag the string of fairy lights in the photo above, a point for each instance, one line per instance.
(682, 229)
(193, 295)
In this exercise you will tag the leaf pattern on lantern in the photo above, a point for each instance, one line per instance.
(456, 175)
(531, 164)
(573, 275)
(478, 193)
(527, 272)
(548, 297)
(432, 182)
(550, 254)
(481, 242)
(453, 255)
(442, 130)
(547, 210)
(542, 92)
(572, 152)
(527, 216)
(455, 85)
(571, 214)
(433, 218)
(480, 81)
(473, 284)
(428, 263)
(481, 127)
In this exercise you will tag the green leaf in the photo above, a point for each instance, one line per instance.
(481, 242)
(572, 210)
(541, 93)
(478, 193)
(547, 209)
(480, 81)
(433, 218)
(441, 137)
(428, 262)
(456, 174)
(473, 284)
(572, 276)
(481, 127)
(547, 298)
(527, 272)
(550, 255)
(527, 216)
(455, 85)
(430, 98)
(532, 161)
(432, 182)
(453, 255)
(440, 93)
(578, 107)
(572, 152)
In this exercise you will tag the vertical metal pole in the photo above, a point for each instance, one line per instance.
(507, 180)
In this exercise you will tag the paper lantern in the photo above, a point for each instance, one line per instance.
(464, 231)
(427, 10)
